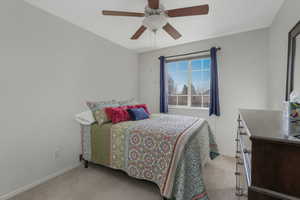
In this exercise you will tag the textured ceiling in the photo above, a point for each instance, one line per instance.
(225, 17)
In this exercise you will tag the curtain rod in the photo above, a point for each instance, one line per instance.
(196, 52)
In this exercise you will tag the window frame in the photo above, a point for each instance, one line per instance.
(190, 72)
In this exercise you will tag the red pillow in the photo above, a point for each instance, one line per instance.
(108, 111)
(119, 114)
(140, 106)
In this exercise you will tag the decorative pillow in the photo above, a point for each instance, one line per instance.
(119, 114)
(108, 111)
(128, 102)
(138, 114)
(98, 109)
(140, 106)
(85, 118)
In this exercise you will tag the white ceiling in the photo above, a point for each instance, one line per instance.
(225, 17)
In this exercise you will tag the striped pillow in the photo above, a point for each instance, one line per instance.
(98, 109)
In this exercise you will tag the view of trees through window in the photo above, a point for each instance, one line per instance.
(189, 82)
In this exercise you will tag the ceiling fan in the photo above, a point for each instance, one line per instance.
(156, 17)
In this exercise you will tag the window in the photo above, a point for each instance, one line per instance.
(189, 83)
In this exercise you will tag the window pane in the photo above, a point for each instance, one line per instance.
(206, 101)
(196, 64)
(196, 101)
(205, 76)
(206, 92)
(173, 100)
(171, 67)
(200, 82)
(194, 90)
(196, 82)
(206, 64)
(179, 79)
(182, 65)
(171, 84)
(178, 83)
(183, 100)
(184, 90)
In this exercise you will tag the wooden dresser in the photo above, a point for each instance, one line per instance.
(268, 161)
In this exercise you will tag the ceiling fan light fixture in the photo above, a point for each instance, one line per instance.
(155, 22)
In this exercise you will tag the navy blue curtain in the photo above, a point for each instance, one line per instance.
(214, 108)
(163, 86)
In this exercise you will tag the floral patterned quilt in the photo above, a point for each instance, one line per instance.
(168, 150)
(162, 150)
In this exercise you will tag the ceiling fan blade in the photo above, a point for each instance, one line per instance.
(154, 4)
(122, 13)
(139, 32)
(172, 31)
(190, 11)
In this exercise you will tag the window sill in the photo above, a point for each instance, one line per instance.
(188, 108)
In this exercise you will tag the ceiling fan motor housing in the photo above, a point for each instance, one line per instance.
(155, 19)
(150, 11)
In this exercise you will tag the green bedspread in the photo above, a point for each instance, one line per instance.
(100, 143)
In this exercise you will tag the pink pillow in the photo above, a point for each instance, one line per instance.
(119, 114)
(140, 106)
(108, 111)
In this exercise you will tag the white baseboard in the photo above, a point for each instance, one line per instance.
(36, 183)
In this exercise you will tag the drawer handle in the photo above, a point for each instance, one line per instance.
(240, 163)
(238, 152)
(237, 140)
(243, 133)
(247, 151)
(237, 173)
(240, 193)
(241, 127)
(238, 188)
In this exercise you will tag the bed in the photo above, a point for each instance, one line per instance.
(168, 150)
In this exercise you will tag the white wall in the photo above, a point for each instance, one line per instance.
(48, 68)
(242, 79)
(285, 20)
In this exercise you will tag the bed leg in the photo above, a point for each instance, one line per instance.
(86, 164)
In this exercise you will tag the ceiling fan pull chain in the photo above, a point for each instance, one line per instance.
(155, 39)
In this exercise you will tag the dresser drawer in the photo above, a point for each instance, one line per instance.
(246, 143)
(245, 157)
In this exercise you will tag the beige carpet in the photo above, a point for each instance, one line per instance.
(100, 183)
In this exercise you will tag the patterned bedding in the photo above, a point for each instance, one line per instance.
(168, 150)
